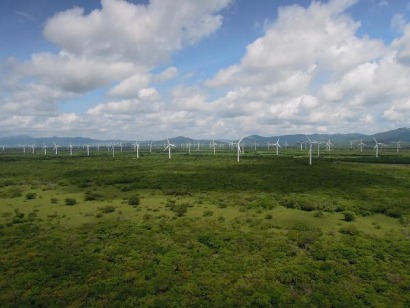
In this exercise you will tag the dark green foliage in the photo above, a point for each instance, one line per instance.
(70, 201)
(107, 209)
(349, 216)
(208, 213)
(91, 196)
(134, 200)
(31, 196)
(54, 200)
(178, 208)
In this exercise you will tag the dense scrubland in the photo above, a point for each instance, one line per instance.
(205, 230)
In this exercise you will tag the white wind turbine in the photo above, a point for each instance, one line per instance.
(328, 145)
(120, 146)
(397, 143)
(301, 145)
(45, 149)
(213, 145)
(168, 147)
(361, 144)
(3, 147)
(150, 147)
(189, 147)
(56, 147)
(286, 144)
(238, 147)
(33, 146)
(137, 149)
(113, 150)
(24, 149)
(311, 143)
(88, 150)
(71, 149)
(376, 147)
(277, 146)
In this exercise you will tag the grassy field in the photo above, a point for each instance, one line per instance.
(205, 230)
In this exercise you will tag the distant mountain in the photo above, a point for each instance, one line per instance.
(388, 137)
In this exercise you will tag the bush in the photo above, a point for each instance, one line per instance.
(107, 209)
(349, 216)
(208, 213)
(54, 200)
(31, 196)
(91, 196)
(134, 201)
(180, 209)
(268, 216)
(70, 201)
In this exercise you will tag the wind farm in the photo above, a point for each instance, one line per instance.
(223, 153)
(166, 193)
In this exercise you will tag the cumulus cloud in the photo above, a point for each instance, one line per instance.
(123, 31)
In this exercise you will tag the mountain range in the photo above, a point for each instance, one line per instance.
(402, 134)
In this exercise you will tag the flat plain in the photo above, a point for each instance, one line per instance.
(205, 230)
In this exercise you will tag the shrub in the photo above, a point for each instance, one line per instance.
(180, 209)
(70, 201)
(208, 213)
(268, 216)
(349, 216)
(107, 209)
(91, 196)
(54, 200)
(134, 200)
(31, 196)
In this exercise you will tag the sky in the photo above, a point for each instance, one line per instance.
(140, 70)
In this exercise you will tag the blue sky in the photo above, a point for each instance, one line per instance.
(217, 68)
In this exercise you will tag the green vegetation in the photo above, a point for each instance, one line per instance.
(203, 230)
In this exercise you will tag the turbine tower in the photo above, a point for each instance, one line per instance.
(168, 147)
(398, 146)
(376, 147)
(311, 143)
(238, 146)
(56, 147)
(277, 146)
(361, 144)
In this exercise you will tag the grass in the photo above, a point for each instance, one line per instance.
(207, 231)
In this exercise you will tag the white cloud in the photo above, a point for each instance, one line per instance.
(167, 74)
(131, 86)
(123, 31)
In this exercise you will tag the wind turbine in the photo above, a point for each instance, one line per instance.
(286, 144)
(361, 144)
(189, 147)
(328, 145)
(113, 150)
(33, 146)
(376, 147)
(120, 146)
(213, 145)
(137, 148)
(56, 147)
(311, 143)
(71, 149)
(88, 150)
(45, 149)
(238, 146)
(301, 145)
(398, 146)
(3, 146)
(168, 147)
(150, 147)
(277, 146)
